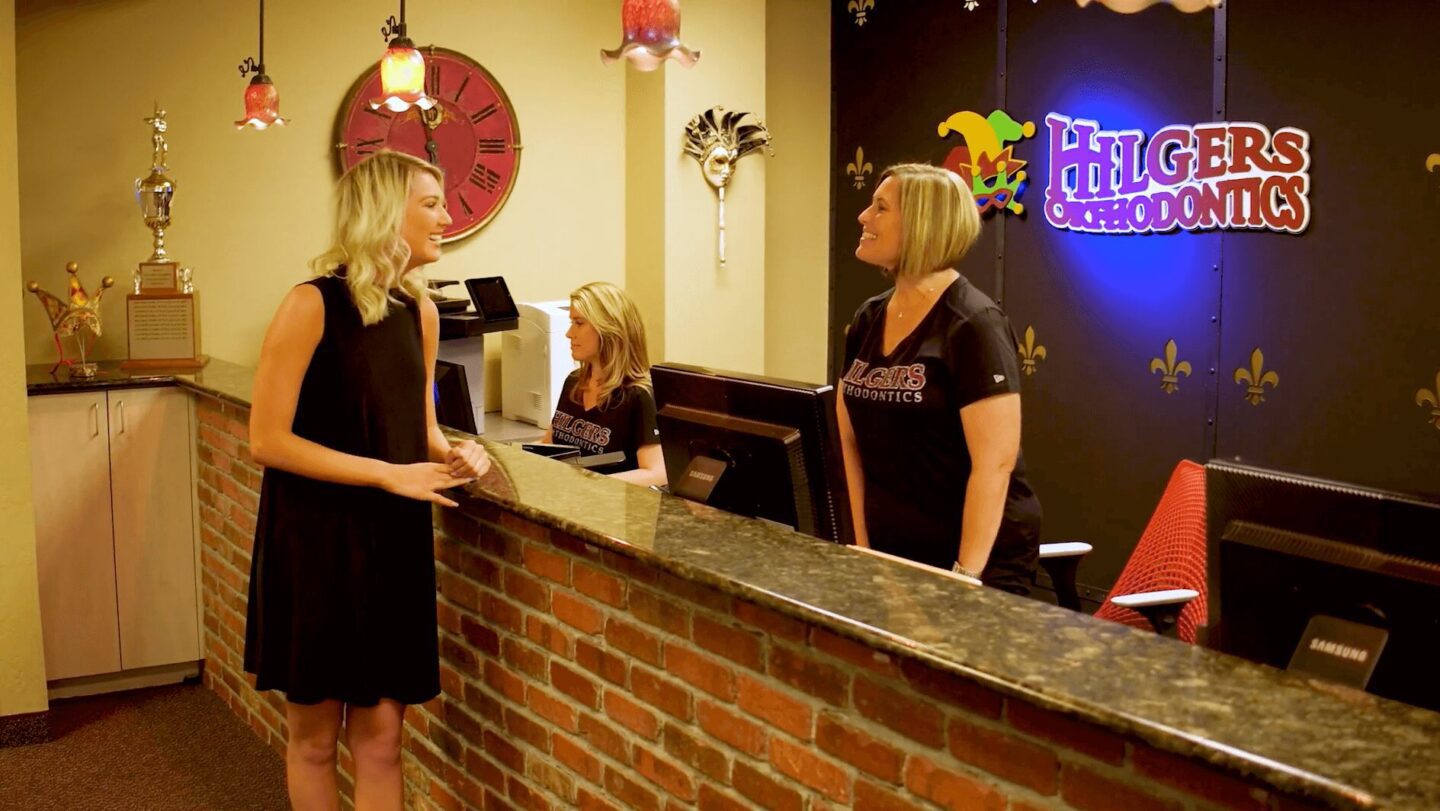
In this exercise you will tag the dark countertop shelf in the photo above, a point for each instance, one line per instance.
(221, 379)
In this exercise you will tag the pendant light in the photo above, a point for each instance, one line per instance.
(262, 100)
(402, 70)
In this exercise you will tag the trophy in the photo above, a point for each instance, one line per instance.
(162, 314)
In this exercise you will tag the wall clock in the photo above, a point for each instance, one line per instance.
(471, 133)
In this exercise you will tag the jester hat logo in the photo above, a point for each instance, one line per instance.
(985, 161)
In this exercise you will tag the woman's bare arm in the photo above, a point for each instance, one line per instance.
(992, 433)
(651, 470)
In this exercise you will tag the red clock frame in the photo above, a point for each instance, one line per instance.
(471, 133)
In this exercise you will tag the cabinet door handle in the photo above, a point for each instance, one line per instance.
(120, 407)
(94, 420)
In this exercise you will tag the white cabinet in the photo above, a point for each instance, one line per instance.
(115, 530)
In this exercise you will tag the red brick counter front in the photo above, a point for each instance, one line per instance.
(575, 676)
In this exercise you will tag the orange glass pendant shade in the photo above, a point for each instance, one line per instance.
(262, 105)
(652, 35)
(402, 78)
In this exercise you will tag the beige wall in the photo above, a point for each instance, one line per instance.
(250, 207)
(22, 658)
(715, 316)
(645, 168)
(797, 192)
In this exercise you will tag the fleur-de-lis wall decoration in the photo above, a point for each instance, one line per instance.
(970, 5)
(1030, 353)
(860, 8)
(1256, 378)
(1431, 398)
(1169, 369)
(859, 169)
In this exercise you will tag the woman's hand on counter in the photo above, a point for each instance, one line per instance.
(422, 480)
(467, 459)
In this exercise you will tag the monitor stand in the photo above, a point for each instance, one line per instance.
(1339, 650)
(698, 481)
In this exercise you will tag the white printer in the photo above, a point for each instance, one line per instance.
(534, 361)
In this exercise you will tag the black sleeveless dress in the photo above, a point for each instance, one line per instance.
(342, 578)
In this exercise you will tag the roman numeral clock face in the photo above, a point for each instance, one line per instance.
(471, 134)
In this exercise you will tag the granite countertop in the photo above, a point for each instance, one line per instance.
(1344, 748)
(221, 379)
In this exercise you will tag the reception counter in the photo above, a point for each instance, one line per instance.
(606, 646)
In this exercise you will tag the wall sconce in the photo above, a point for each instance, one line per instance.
(1132, 6)
(718, 145)
(402, 70)
(262, 100)
(652, 35)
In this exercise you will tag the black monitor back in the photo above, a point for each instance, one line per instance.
(1284, 548)
(808, 409)
(453, 407)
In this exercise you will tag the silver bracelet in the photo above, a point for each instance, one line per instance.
(961, 570)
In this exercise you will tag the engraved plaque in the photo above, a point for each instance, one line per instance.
(163, 330)
(158, 277)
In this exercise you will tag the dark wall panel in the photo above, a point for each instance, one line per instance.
(1347, 314)
(1101, 436)
(895, 78)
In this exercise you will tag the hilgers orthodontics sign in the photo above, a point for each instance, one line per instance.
(1222, 175)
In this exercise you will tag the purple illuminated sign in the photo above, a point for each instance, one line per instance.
(1224, 175)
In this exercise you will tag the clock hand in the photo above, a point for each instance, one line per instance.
(431, 120)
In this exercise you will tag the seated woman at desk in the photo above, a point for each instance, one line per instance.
(607, 406)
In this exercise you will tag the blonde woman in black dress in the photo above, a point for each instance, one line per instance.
(342, 586)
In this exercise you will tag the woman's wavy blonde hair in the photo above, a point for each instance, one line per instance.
(370, 203)
(623, 359)
(939, 219)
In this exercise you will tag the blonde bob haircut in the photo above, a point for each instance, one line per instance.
(938, 216)
(370, 200)
(623, 359)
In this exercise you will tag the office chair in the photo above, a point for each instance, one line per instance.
(1162, 586)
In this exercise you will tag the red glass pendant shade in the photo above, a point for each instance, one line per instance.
(652, 35)
(262, 105)
(262, 100)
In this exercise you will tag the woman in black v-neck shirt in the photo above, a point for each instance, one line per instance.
(929, 403)
(607, 405)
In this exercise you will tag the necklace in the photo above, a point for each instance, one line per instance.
(926, 292)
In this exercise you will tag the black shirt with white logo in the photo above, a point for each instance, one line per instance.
(905, 411)
(625, 423)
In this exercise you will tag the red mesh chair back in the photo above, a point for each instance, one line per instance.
(1171, 553)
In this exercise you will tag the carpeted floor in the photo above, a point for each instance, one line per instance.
(156, 749)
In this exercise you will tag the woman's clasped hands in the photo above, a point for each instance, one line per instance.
(465, 462)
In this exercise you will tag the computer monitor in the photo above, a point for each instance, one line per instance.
(493, 302)
(752, 445)
(452, 397)
(1284, 549)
